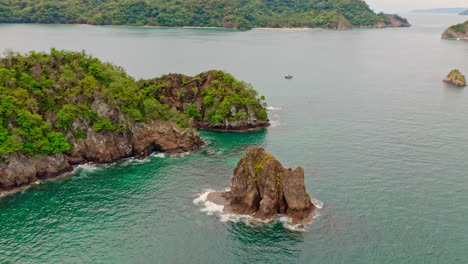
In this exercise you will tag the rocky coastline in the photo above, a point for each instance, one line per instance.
(74, 109)
(263, 188)
(20, 170)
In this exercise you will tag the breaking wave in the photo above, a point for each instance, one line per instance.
(272, 108)
(217, 210)
(87, 167)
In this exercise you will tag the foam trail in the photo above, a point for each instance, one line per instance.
(272, 108)
(318, 204)
(87, 167)
(275, 123)
(158, 155)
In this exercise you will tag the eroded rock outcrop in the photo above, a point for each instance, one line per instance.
(263, 188)
(455, 77)
(144, 138)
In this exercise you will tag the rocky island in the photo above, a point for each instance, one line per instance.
(63, 108)
(246, 14)
(213, 100)
(263, 188)
(459, 31)
(455, 77)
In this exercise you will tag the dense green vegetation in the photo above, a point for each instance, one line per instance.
(46, 99)
(460, 28)
(213, 96)
(456, 76)
(205, 13)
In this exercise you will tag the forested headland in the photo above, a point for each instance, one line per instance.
(238, 14)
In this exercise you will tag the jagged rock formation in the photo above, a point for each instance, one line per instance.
(459, 31)
(455, 77)
(213, 100)
(20, 169)
(261, 187)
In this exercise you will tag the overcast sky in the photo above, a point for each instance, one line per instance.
(405, 5)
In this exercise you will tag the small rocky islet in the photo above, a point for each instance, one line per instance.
(455, 77)
(64, 108)
(459, 31)
(263, 188)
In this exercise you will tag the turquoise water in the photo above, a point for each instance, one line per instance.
(383, 141)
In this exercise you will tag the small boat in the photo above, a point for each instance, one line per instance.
(289, 76)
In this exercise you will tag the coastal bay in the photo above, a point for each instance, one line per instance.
(381, 138)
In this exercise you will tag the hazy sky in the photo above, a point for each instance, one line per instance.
(405, 5)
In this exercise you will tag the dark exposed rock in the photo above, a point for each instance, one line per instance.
(261, 187)
(19, 170)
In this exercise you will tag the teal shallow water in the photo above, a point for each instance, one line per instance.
(383, 141)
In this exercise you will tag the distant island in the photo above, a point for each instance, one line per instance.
(455, 77)
(65, 108)
(456, 10)
(241, 14)
(464, 13)
(459, 31)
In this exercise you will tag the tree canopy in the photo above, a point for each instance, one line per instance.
(46, 99)
(204, 13)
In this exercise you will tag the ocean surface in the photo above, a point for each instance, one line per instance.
(383, 141)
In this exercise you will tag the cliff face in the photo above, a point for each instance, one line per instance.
(459, 31)
(140, 141)
(213, 100)
(261, 187)
(455, 77)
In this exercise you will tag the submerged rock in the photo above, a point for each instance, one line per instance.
(456, 77)
(263, 188)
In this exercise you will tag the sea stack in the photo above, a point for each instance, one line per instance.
(263, 188)
(455, 77)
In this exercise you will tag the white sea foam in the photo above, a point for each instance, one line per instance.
(130, 161)
(158, 155)
(275, 123)
(87, 167)
(133, 160)
(318, 204)
(272, 108)
(179, 155)
(211, 208)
